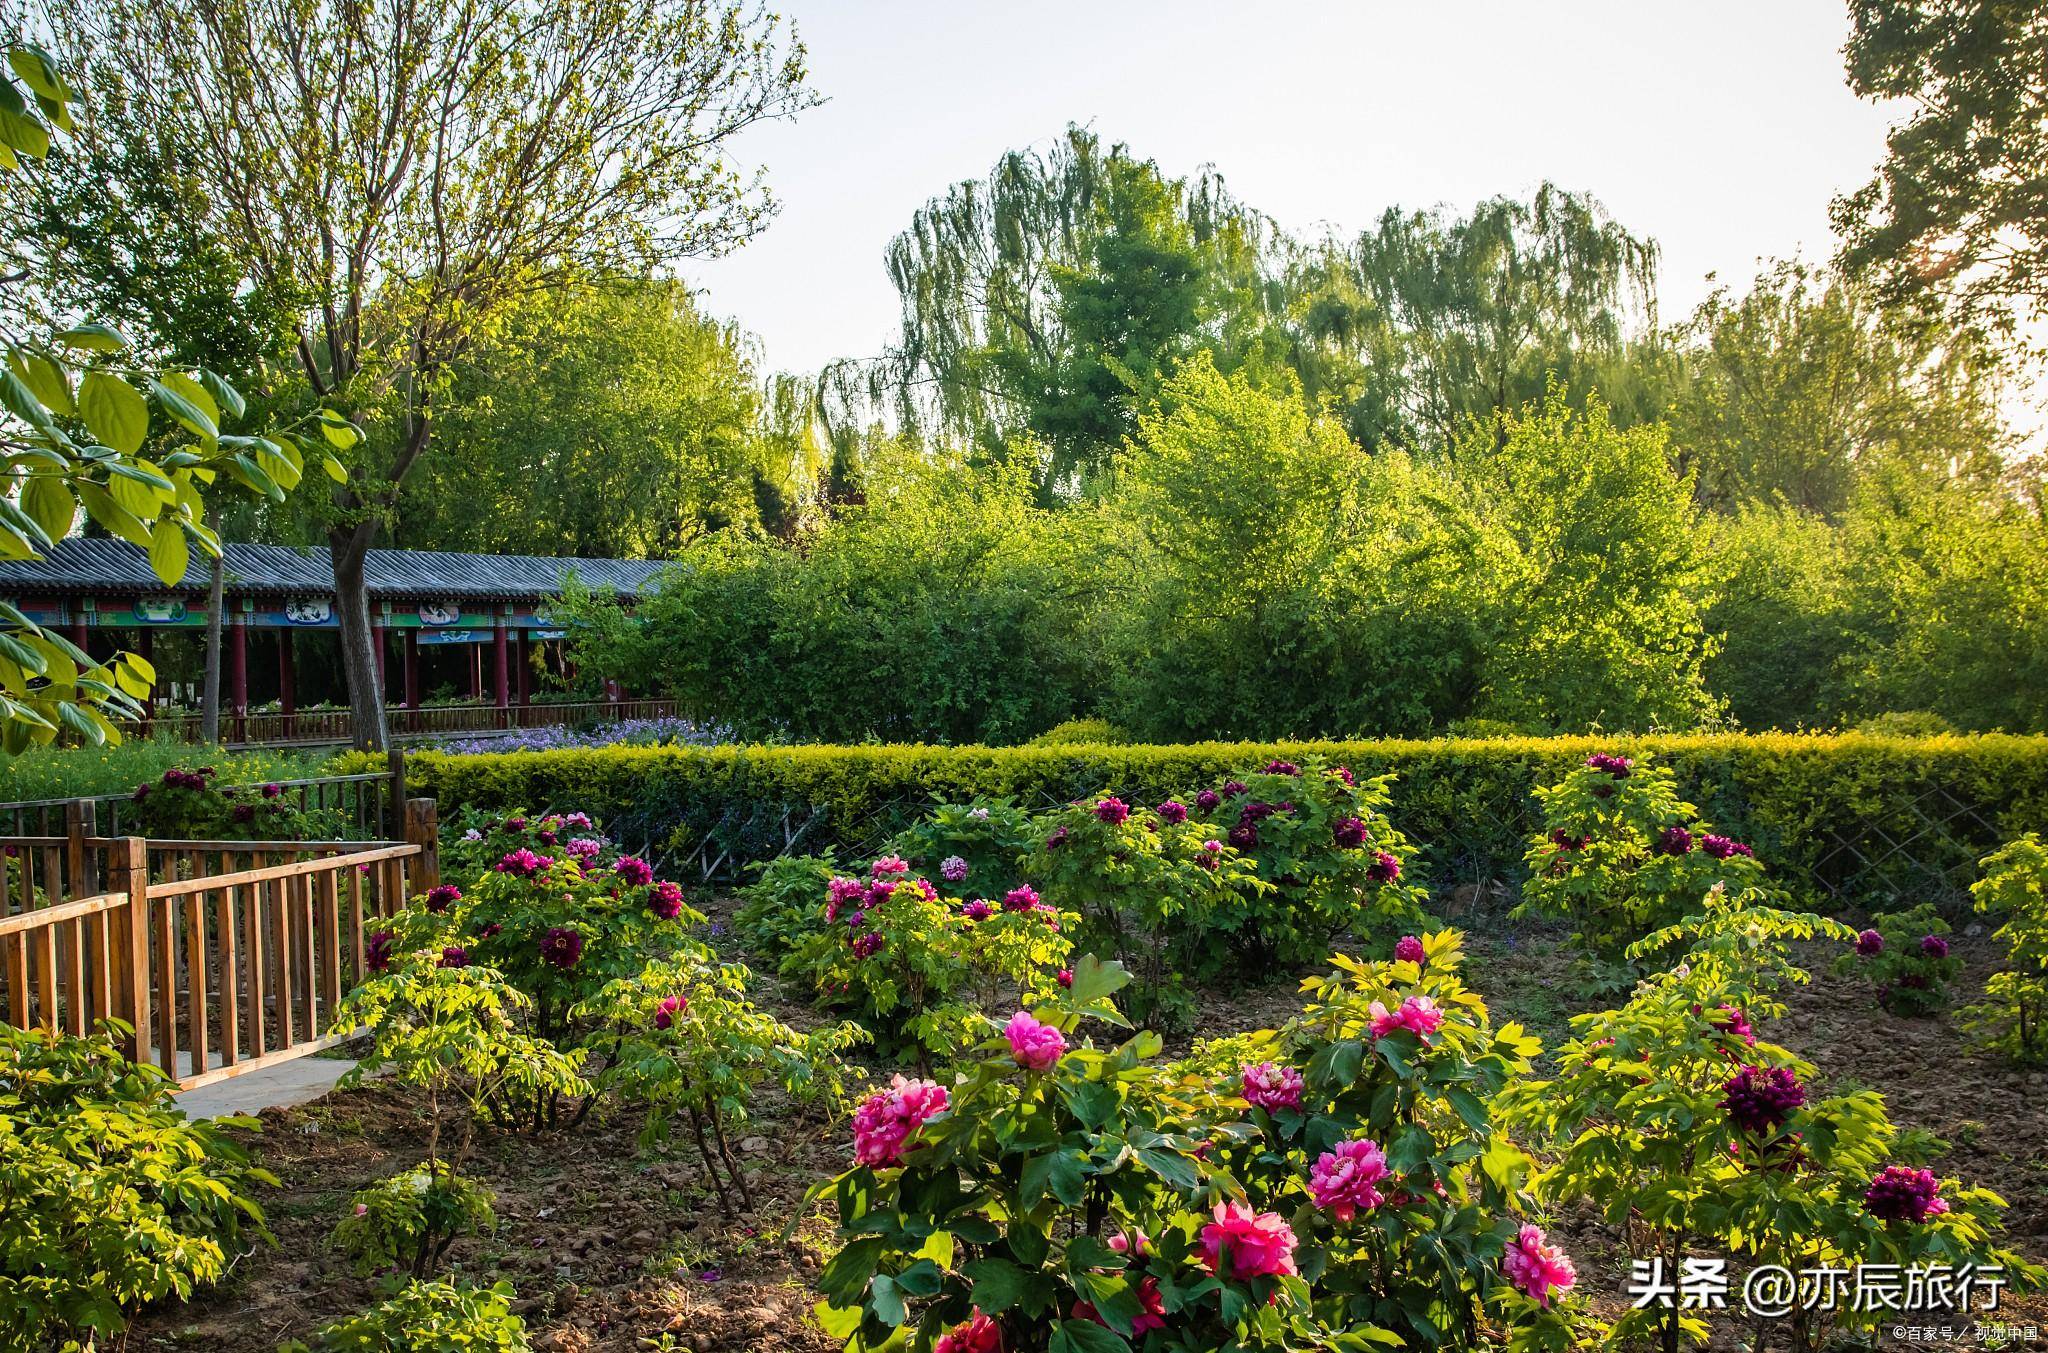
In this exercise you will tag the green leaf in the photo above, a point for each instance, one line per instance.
(335, 469)
(44, 379)
(117, 414)
(998, 1284)
(94, 338)
(337, 430)
(188, 404)
(1085, 1336)
(48, 500)
(837, 1321)
(168, 554)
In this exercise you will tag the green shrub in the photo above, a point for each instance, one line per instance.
(85, 772)
(1620, 854)
(189, 804)
(2013, 1016)
(779, 910)
(1466, 804)
(428, 1317)
(1909, 723)
(973, 847)
(1081, 732)
(409, 1220)
(1905, 957)
(109, 1196)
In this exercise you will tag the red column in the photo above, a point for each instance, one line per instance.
(287, 682)
(238, 674)
(412, 677)
(377, 642)
(78, 634)
(501, 671)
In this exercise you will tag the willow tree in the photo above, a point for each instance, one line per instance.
(1454, 319)
(409, 172)
(1052, 297)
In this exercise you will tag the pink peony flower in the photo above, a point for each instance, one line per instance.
(1282, 768)
(665, 1014)
(1902, 1193)
(1152, 1317)
(1419, 1015)
(978, 1335)
(1065, 977)
(1933, 946)
(887, 1119)
(1408, 949)
(1112, 811)
(1173, 811)
(1759, 1100)
(1033, 1045)
(1344, 1179)
(523, 863)
(635, 871)
(1269, 1086)
(1720, 847)
(1260, 1244)
(1538, 1267)
(584, 848)
(889, 864)
(1134, 1243)
(1021, 899)
(666, 900)
(1384, 868)
(978, 910)
(1617, 766)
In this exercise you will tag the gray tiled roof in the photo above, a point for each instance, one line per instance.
(280, 570)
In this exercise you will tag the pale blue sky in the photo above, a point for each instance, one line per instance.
(1721, 129)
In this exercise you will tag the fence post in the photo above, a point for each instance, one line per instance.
(423, 829)
(131, 950)
(395, 808)
(81, 819)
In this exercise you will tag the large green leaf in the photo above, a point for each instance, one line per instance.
(168, 554)
(114, 410)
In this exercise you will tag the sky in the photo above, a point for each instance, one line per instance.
(1720, 130)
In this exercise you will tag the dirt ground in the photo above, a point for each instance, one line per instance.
(612, 1249)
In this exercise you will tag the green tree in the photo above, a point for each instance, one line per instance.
(408, 174)
(1781, 613)
(1956, 216)
(1445, 320)
(611, 421)
(1601, 573)
(1048, 300)
(1793, 386)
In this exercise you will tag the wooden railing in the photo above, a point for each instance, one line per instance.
(221, 956)
(315, 727)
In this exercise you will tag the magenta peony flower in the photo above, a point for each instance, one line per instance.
(1760, 1100)
(1408, 949)
(889, 864)
(1564, 840)
(1933, 946)
(1902, 1193)
(1720, 847)
(1172, 811)
(1151, 1317)
(272, 790)
(454, 956)
(584, 849)
(1384, 868)
(878, 892)
(1057, 839)
(1112, 810)
(887, 1118)
(1674, 841)
(1538, 1267)
(666, 900)
(1870, 944)
(1260, 1244)
(515, 824)
(868, 945)
(1735, 1024)
(1244, 836)
(443, 896)
(562, 946)
(523, 863)
(1269, 1086)
(1617, 766)
(1282, 768)
(978, 910)
(666, 1013)
(1419, 1015)
(925, 888)
(1344, 1178)
(1024, 898)
(492, 929)
(1207, 800)
(1232, 788)
(635, 871)
(1348, 832)
(952, 869)
(1034, 1046)
(377, 950)
(1065, 977)
(978, 1335)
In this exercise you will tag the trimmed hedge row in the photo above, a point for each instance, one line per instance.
(1845, 815)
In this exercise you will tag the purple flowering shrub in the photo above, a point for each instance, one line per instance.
(1367, 1123)
(1620, 854)
(1158, 895)
(1687, 1129)
(1060, 1194)
(918, 966)
(1320, 841)
(972, 849)
(191, 805)
(2013, 1016)
(1905, 957)
(691, 1049)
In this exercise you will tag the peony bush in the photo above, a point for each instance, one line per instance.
(2013, 1017)
(1904, 955)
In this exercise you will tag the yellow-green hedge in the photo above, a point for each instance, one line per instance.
(1882, 815)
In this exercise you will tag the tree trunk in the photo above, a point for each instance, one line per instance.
(349, 547)
(216, 603)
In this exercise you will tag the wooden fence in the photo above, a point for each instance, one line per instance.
(324, 726)
(370, 804)
(222, 956)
